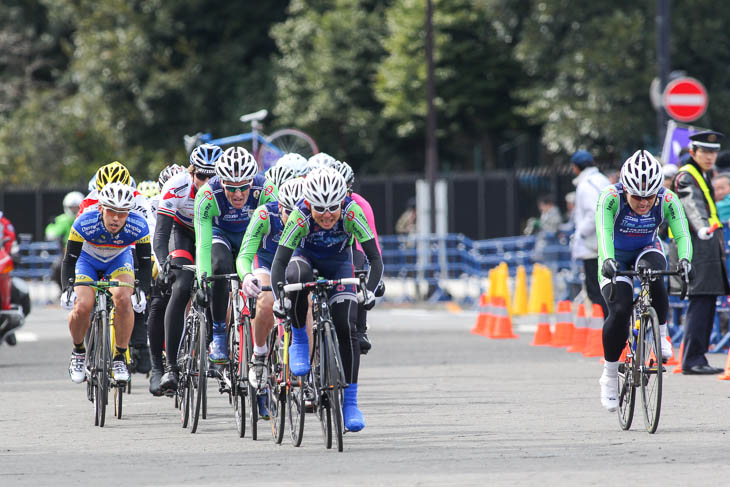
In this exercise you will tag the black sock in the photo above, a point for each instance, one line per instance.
(121, 354)
(79, 347)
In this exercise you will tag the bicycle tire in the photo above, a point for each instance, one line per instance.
(651, 368)
(627, 392)
(274, 392)
(253, 404)
(237, 394)
(286, 140)
(322, 405)
(200, 377)
(185, 366)
(295, 408)
(103, 356)
(335, 386)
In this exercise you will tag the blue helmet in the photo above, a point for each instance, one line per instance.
(204, 157)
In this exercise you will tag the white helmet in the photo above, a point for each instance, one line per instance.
(641, 174)
(117, 196)
(325, 187)
(322, 159)
(167, 173)
(280, 174)
(291, 192)
(204, 157)
(72, 200)
(346, 171)
(236, 165)
(295, 161)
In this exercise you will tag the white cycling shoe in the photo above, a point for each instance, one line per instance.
(76, 367)
(609, 392)
(120, 372)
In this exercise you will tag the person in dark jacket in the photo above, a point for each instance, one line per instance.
(692, 185)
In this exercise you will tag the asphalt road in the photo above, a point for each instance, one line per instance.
(442, 407)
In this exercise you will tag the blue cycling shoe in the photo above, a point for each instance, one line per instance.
(299, 352)
(218, 351)
(263, 410)
(352, 415)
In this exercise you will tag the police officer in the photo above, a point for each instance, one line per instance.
(692, 185)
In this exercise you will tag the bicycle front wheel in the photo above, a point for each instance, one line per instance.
(626, 389)
(200, 377)
(651, 369)
(252, 392)
(103, 363)
(318, 376)
(238, 391)
(274, 388)
(334, 385)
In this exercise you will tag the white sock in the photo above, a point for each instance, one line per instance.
(261, 350)
(610, 369)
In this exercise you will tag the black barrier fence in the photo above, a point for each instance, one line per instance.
(491, 205)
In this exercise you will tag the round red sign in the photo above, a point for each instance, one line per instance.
(685, 99)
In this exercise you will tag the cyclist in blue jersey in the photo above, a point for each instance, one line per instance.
(254, 264)
(628, 216)
(318, 234)
(100, 245)
(223, 209)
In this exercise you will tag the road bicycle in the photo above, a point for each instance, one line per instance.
(327, 376)
(266, 149)
(98, 360)
(643, 366)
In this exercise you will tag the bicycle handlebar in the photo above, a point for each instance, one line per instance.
(298, 286)
(646, 273)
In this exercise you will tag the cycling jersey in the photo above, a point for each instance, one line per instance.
(177, 199)
(99, 243)
(212, 209)
(619, 228)
(368, 212)
(261, 238)
(320, 243)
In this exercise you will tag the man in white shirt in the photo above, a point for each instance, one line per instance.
(588, 185)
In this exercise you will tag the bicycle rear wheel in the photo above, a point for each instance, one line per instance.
(651, 369)
(335, 385)
(626, 391)
(118, 396)
(286, 141)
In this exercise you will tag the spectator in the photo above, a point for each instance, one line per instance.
(406, 224)
(569, 206)
(721, 185)
(708, 260)
(613, 175)
(549, 220)
(669, 171)
(589, 182)
(723, 160)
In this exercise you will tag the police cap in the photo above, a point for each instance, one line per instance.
(708, 140)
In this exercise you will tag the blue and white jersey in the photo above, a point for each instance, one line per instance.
(633, 231)
(102, 245)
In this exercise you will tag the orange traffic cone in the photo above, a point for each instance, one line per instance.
(480, 327)
(543, 337)
(491, 317)
(594, 340)
(678, 368)
(726, 375)
(580, 331)
(563, 335)
(503, 323)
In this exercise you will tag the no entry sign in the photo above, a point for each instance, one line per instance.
(685, 99)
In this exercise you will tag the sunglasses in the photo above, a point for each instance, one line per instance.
(232, 189)
(643, 198)
(322, 209)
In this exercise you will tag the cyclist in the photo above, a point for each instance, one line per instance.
(223, 209)
(100, 244)
(296, 162)
(627, 218)
(174, 241)
(254, 264)
(318, 234)
(358, 257)
(60, 227)
(159, 294)
(321, 159)
(117, 172)
(150, 190)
